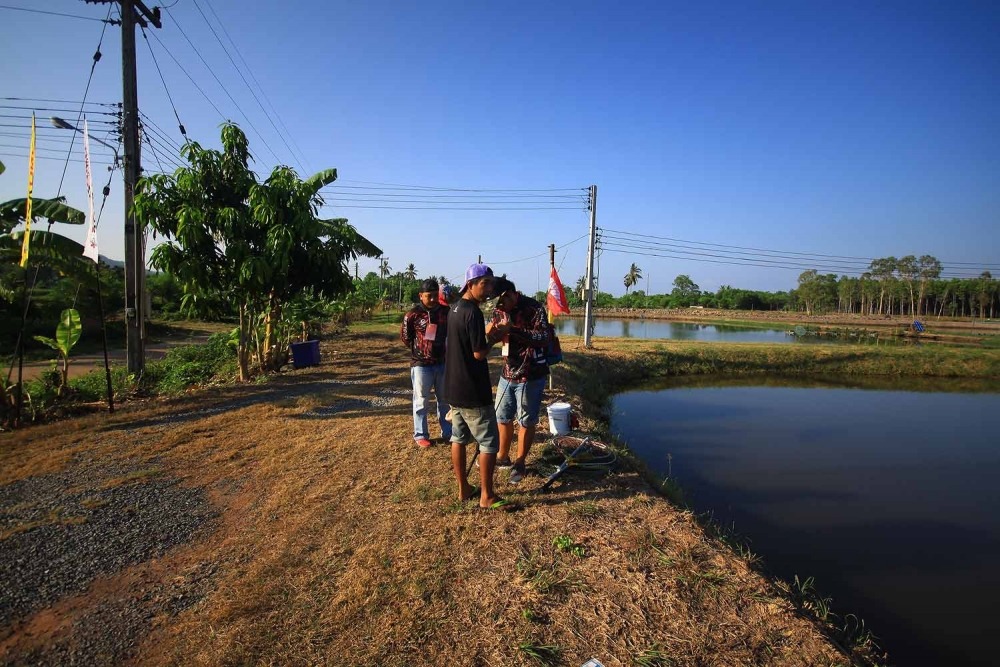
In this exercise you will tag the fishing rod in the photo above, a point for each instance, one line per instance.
(565, 464)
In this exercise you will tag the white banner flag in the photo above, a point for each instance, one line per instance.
(90, 247)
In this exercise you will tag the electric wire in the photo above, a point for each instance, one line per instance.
(801, 261)
(86, 91)
(190, 78)
(701, 257)
(70, 16)
(49, 100)
(259, 87)
(53, 158)
(224, 89)
(430, 187)
(170, 98)
(525, 259)
(770, 252)
(150, 124)
(246, 83)
(460, 208)
(338, 191)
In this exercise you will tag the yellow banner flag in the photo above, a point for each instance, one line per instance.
(27, 207)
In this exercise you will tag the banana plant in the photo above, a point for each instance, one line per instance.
(55, 250)
(67, 334)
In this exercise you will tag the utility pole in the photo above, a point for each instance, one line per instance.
(588, 317)
(133, 12)
(552, 318)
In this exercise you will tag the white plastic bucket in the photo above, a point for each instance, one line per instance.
(559, 418)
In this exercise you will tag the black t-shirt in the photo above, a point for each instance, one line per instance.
(466, 379)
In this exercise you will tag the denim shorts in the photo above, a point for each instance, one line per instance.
(476, 424)
(523, 397)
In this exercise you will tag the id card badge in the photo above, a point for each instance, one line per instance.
(506, 347)
(431, 332)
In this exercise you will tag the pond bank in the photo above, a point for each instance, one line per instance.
(764, 317)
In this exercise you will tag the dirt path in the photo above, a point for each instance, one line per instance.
(296, 522)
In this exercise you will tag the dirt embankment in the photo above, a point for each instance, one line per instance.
(296, 522)
(850, 320)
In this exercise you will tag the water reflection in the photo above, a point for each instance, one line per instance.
(888, 498)
(665, 329)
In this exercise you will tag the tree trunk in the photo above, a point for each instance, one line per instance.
(242, 348)
(267, 352)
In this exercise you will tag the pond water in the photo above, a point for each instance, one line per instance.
(659, 329)
(888, 498)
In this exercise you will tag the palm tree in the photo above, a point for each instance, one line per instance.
(411, 272)
(383, 271)
(633, 276)
(581, 285)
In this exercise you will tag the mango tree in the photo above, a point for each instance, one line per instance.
(256, 244)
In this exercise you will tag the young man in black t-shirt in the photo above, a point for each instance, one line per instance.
(467, 386)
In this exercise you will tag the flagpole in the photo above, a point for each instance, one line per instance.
(90, 250)
(20, 351)
(104, 339)
(25, 249)
(552, 318)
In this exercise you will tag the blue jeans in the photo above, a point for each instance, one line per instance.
(524, 398)
(425, 378)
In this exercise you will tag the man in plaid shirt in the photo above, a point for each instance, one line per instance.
(424, 329)
(525, 368)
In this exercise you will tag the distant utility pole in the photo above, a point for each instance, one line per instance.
(133, 12)
(588, 317)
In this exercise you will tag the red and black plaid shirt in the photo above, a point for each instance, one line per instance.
(528, 339)
(413, 333)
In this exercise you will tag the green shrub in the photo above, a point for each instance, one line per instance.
(93, 386)
(190, 365)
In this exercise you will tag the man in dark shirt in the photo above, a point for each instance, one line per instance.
(467, 386)
(424, 329)
(525, 368)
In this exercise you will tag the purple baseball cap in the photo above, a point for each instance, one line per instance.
(473, 272)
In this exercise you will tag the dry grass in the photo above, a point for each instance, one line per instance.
(340, 542)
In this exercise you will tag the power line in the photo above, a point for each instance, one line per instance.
(546, 252)
(190, 78)
(70, 16)
(376, 200)
(259, 87)
(440, 208)
(636, 250)
(56, 109)
(225, 90)
(256, 99)
(727, 250)
(430, 187)
(86, 91)
(48, 100)
(149, 46)
(149, 124)
(366, 192)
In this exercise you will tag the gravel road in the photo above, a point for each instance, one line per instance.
(61, 532)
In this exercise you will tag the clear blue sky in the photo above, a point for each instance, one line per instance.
(855, 129)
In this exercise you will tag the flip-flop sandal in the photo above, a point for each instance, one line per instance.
(503, 505)
(473, 495)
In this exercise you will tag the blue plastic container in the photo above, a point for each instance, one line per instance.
(305, 354)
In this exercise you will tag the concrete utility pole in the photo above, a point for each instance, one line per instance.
(133, 12)
(588, 317)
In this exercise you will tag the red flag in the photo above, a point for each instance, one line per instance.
(556, 299)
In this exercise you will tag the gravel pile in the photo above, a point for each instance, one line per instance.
(62, 531)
